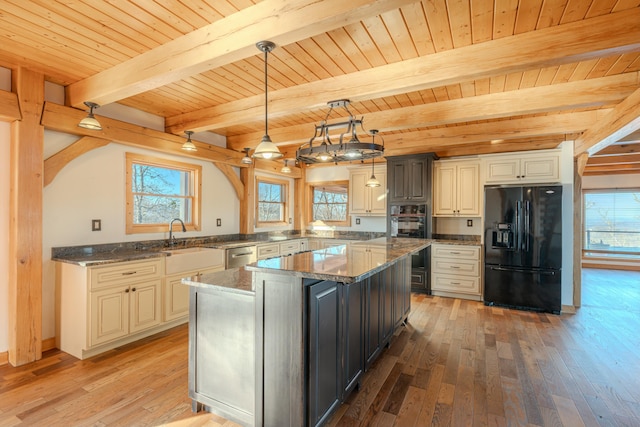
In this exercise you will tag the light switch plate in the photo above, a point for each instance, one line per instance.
(219, 222)
(357, 221)
(469, 223)
(96, 224)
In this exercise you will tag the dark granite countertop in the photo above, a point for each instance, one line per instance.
(344, 264)
(232, 280)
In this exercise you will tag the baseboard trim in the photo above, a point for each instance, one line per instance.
(568, 309)
(4, 358)
(49, 344)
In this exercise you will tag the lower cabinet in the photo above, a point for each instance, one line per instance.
(455, 271)
(175, 296)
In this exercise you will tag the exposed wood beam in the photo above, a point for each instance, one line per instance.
(613, 169)
(234, 179)
(9, 108)
(25, 227)
(564, 96)
(55, 163)
(482, 147)
(598, 37)
(274, 167)
(581, 163)
(622, 121)
(225, 41)
(501, 130)
(614, 160)
(618, 149)
(65, 119)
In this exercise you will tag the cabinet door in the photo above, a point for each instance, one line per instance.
(353, 335)
(541, 169)
(387, 305)
(324, 351)
(378, 196)
(395, 177)
(416, 180)
(176, 299)
(144, 305)
(503, 170)
(445, 189)
(468, 190)
(373, 318)
(109, 314)
(358, 197)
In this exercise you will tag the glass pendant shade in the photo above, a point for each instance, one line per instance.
(373, 181)
(286, 168)
(90, 122)
(246, 159)
(266, 149)
(188, 145)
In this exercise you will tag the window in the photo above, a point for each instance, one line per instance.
(271, 203)
(611, 222)
(159, 190)
(330, 202)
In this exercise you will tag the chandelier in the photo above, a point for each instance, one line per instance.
(343, 146)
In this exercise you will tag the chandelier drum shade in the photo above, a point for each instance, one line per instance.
(344, 146)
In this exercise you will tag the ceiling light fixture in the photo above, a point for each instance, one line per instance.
(188, 145)
(341, 150)
(286, 168)
(90, 122)
(373, 181)
(266, 149)
(246, 160)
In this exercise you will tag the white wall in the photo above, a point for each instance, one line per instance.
(341, 173)
(5, 133)
(611, 181)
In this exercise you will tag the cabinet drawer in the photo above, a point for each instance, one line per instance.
(449, 283)
(456, 251)
(467, 268)
(124, 272)
(287, 248)
(267, 251)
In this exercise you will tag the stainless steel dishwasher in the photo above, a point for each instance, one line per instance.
(237, 257)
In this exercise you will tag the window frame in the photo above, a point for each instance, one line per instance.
(285, 202)
(310, 189)
(603, 254)
(195, 176)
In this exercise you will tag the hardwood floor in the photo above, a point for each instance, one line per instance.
(457, 363)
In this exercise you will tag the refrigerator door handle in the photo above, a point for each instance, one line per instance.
(527, 225)
(518, 236)
(520, 270)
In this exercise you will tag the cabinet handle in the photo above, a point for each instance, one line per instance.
(126, 290)
(453, 266)
(455, 283)
(133, 290)
(454, 253)
(129, 273)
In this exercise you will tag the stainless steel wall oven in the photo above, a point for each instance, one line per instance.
(413, 221)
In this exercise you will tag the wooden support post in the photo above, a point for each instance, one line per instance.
(25, 228)
(577, 230)
(247, 210)
(300, 196)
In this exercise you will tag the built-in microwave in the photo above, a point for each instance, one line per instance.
(408, 221)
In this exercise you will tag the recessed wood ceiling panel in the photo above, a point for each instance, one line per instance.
(72, 40)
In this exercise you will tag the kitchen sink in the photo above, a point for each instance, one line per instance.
(191, 259)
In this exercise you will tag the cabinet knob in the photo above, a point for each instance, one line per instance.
(126, 290)
(133, 290)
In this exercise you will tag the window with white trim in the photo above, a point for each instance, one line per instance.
(271, 202)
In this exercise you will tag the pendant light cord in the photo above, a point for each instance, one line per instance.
(266, 99)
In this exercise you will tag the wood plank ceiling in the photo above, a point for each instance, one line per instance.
(454, 77)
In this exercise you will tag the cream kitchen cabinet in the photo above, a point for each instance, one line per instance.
(527, 168)
(99, 308)
(175, 295)
(268, 250)
(367, 201)
(455, 271)
(456, 188)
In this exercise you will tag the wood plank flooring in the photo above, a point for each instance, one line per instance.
(456, 363)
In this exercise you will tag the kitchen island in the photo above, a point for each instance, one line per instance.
(282, 342)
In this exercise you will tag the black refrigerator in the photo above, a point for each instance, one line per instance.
(523, 247)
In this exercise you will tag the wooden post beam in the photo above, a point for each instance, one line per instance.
(9, 108)
(55, 163)
(25, 228)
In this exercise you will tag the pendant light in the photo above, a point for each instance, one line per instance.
(266, 149)
(246, 160)
(286, 168)
(90, 122)
(373, 181)
(188, 145)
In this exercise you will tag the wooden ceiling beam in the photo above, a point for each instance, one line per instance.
(65, 119)
(614, 160)
(592, 38)
(9, 107)
(223, 42)
(563, 96)
(633, 168)
(622, 121)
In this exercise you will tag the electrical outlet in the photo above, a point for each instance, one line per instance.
(219, 222)
(469, 223)
(96, 224)
(357, 221)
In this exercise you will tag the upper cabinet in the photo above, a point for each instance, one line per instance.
(456, 188)
(528, 168)
(367, 201)
(409, 179)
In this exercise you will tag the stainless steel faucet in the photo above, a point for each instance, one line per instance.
(172, 239)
